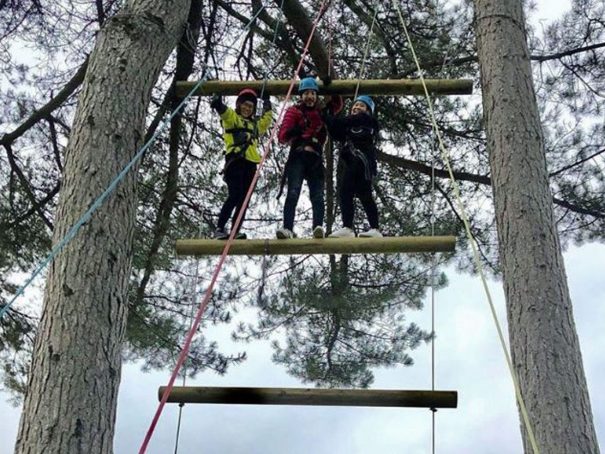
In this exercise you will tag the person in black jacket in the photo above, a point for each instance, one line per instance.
(358, 133)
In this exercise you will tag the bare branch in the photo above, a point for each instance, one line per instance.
(26, 187)
(49, 107)
(577, 163)
(466, 176)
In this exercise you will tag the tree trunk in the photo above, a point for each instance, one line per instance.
(70, 405)
(544, 344)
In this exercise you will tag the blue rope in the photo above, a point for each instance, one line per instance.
(99, 201)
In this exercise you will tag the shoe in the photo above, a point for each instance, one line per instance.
(318, 232)
(371, 233)
(345, 232)
(284, 234)
(241, 236)
(220, 234)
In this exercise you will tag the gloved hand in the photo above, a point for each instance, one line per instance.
(327, 80)
(326, 114)
(266, 102)
(216, 102)
(294, 132)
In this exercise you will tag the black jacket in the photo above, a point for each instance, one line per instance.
(360, 131)
(358, 135)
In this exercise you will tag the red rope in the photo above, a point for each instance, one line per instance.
(219, 266)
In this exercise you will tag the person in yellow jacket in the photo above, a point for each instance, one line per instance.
(241, 131)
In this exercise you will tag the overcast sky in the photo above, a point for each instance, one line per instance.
(469, 360)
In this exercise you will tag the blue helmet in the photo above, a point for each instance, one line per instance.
(367, 101)
(308, 83)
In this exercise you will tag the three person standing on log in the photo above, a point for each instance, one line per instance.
(305, 128)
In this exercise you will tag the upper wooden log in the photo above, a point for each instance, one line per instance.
(387, 87)
(385, 245)
(311, 396)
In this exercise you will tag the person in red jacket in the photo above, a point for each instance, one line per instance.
(304, 129)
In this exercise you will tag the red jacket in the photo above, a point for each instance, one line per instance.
(307, 120)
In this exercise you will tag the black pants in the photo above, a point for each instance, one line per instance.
(304, 165)
(238, 175)
(355, 183)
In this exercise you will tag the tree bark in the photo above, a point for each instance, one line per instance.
(544, 343)
(70, 404)
(296, 14)
(185, 57)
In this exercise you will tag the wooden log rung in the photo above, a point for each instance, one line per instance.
(384, 245)
(386, 87)
(311, 396)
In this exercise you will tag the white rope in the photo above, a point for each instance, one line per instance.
(464, 217)
(365, 55)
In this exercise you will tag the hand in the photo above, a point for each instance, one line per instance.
(322, 103)
(266, 104)
(327, 80)
(266, 101)
(216, 102)
(294, 132)
(326, 114)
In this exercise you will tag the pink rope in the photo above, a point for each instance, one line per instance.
(219, 266)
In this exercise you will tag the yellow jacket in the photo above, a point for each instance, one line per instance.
(239, 133)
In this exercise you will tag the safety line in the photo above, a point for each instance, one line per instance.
(365, 55)
(433, 290)
(99, 201)
(193, 292)
(197, 276)
(433, 272)
(223, 257)
(463, 215)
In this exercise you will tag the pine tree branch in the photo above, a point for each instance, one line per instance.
(539, 58)
(284, 42)
(566, 53)
(55, 143)
(69, 88)
(460, 219)
(243, 19)
(298, 19)
(35, 209)
(366, 18)
(577, 163)
(100, 12)
(466, 176)
(184, 68)
(37, 206)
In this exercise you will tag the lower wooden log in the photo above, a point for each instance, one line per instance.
(312, 396)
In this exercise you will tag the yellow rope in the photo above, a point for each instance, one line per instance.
(445, 157)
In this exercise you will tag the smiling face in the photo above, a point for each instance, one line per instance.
(359, 107)
(246, 109)
(309, 98)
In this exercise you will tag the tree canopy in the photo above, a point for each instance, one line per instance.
(334, 341)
